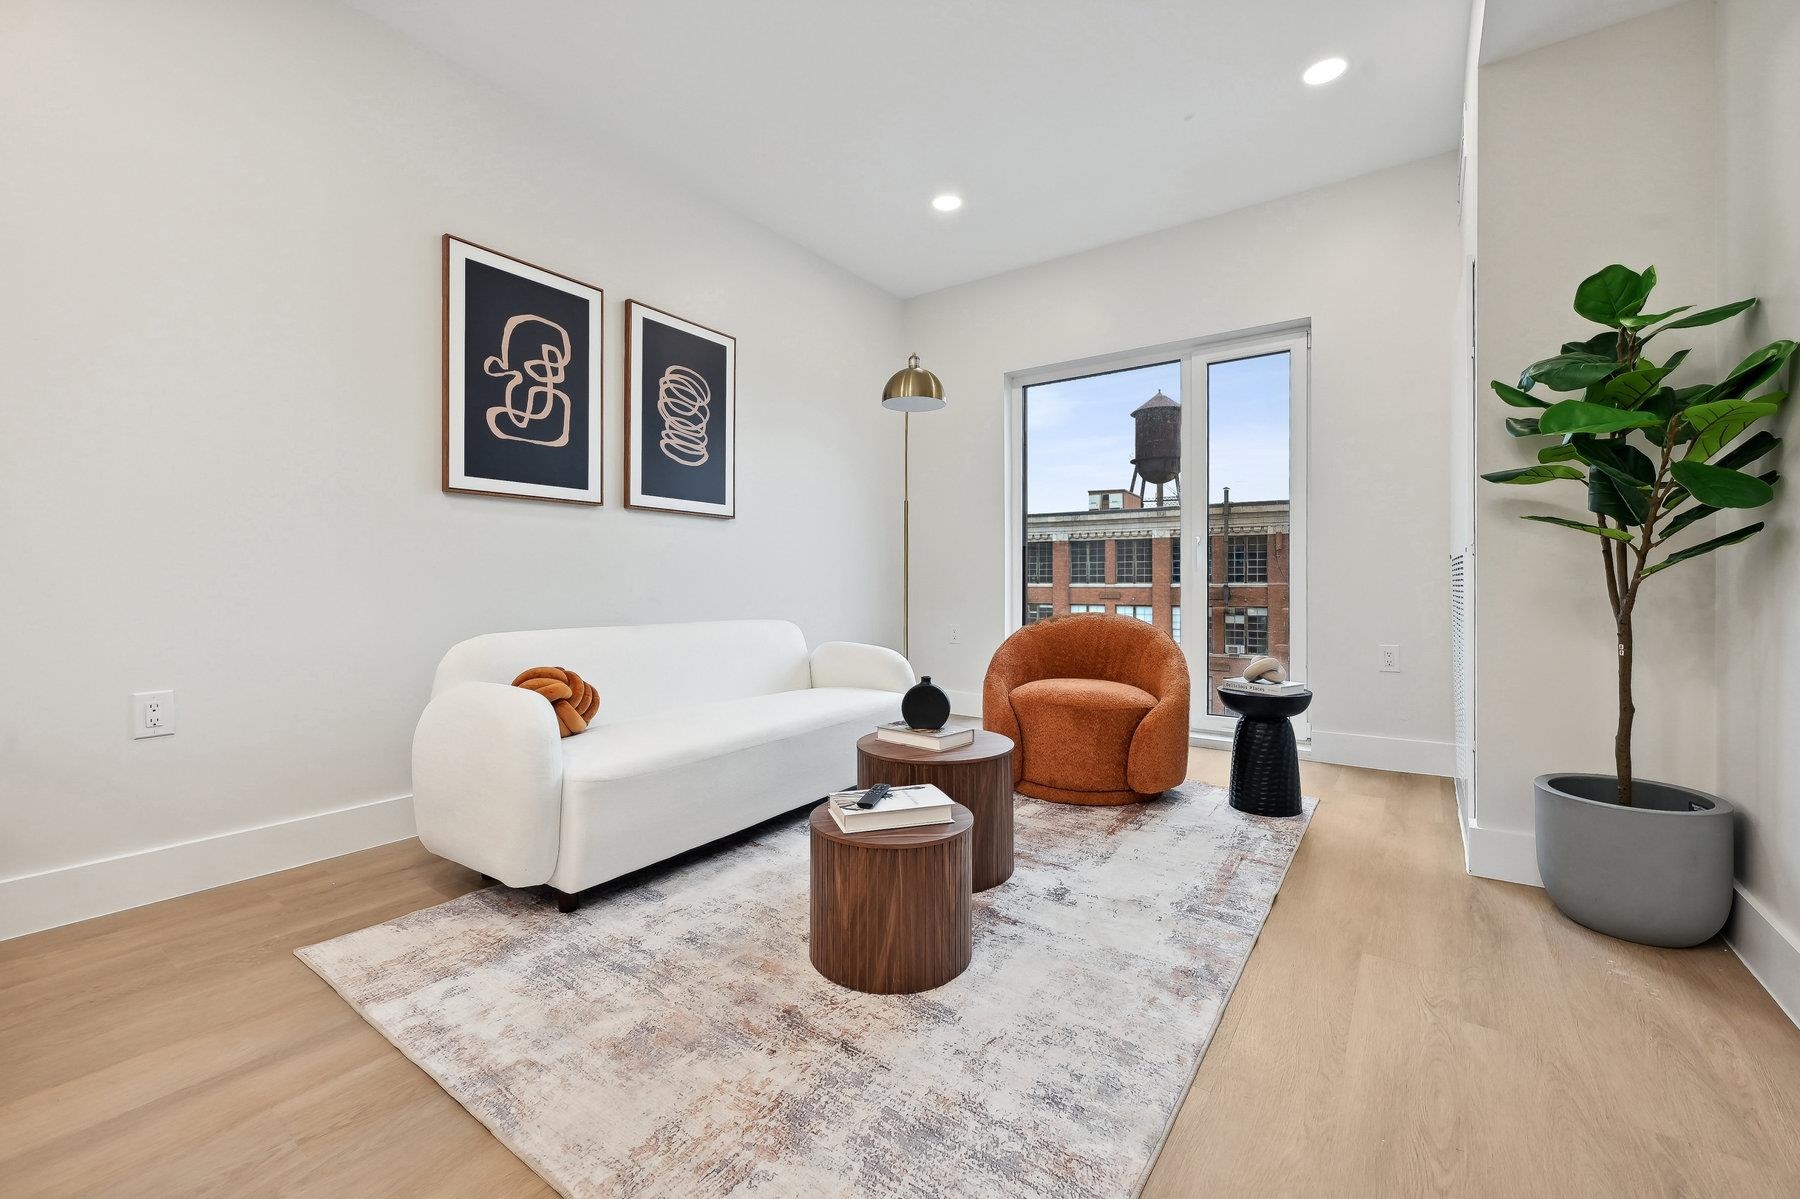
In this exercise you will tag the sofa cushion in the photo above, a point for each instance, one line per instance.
(643, 791)
(657, 743)
(1075, 734)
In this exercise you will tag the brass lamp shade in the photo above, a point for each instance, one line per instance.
(913, 389)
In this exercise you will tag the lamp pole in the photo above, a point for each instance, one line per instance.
(910, 389)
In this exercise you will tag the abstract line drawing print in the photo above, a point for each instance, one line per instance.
(534, 418)
(684, 402)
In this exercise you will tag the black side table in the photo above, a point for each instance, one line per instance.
(1265, 765)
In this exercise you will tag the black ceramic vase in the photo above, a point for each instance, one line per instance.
(925, 706)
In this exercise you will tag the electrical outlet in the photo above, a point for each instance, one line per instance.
(955, 634)
(152, 714)
(1390, 659)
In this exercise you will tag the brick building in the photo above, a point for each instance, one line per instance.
(1122, 557)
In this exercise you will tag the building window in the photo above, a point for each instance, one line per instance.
(1037, 612)
(1087, 561)
(1132, 560)
(1246, 632)
(1093, 501)
(1037, 562)
(1175, 620)
(1247, 559)
(1078, 609)
(1136, 612)
(1175, 559)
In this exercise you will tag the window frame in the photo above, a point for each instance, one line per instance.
(1293, 337)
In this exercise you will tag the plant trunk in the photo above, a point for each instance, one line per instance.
(1627, 712)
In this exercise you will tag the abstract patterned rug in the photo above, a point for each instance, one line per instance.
(672, 1038)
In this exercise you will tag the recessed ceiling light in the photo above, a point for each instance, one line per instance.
(1324, 71)
(948, 202)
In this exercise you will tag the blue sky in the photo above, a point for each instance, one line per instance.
(1079, 432)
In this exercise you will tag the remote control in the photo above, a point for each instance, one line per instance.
(873, 796)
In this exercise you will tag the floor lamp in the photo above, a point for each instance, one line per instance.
(911, 389)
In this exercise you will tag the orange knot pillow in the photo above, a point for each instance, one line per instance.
(570, 696)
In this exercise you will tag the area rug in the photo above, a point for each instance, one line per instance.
(672, 1038)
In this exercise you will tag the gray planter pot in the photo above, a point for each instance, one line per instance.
(1658, 872)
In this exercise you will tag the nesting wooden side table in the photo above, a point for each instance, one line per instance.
(890, 909)
(977, 776)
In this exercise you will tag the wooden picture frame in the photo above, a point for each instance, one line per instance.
(680, 414)
(524, 378)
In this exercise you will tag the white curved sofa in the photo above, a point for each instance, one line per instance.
(703, 730)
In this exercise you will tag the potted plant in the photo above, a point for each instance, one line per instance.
(1647, 861)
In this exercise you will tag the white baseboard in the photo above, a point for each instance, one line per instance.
(1509, 855)
(1403, 754)
(33, 902)
(965, 703)
(1768, 949)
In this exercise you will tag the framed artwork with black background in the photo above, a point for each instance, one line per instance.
(522, 378)
(680, 414)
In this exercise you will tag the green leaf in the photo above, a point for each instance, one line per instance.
(1720, 487)
(1752, 372)
(1604, 344)
(1517, 398)
(1522, 426)
(1750, 451)
(1560, 452)
(1613, 293)
(1706, 547)
(1533, 474)
(1650, 318)
(1688, 516)
(1718, 424)
(1569, 372)
(1626, 503)
(1624, 462)
(1712, 316)
(1675, 360)
(1579, 416)
(1630, 389)
(1597, 530)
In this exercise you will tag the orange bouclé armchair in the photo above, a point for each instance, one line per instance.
(1096, 705)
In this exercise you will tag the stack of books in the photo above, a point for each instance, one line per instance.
(1260, 688)
(903, 807)
(937, 740)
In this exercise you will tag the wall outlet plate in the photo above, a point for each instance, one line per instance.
(152, 714)
(1390, 659)
(955, 634)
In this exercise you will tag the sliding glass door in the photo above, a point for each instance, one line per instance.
(1107, 450)
(1248, 395)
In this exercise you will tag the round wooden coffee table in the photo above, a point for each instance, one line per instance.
(890, 909)
(977, 776)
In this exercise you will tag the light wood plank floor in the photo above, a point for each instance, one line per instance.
(1401, 1029)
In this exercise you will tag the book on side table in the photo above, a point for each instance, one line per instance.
(901, 807)
(1246, 687)
(938, 740)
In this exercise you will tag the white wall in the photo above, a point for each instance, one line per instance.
(1758, 620)
(1594, 150)
(1373, 264)
(220, 327)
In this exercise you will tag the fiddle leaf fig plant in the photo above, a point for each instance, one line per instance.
(1653, 458)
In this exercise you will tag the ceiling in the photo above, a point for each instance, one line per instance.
(1064, 124)
(1516, 26)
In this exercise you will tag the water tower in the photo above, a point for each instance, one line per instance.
(1158, 457)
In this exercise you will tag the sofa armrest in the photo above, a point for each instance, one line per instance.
(1159, 749)
(849, 664)
(487, 781)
